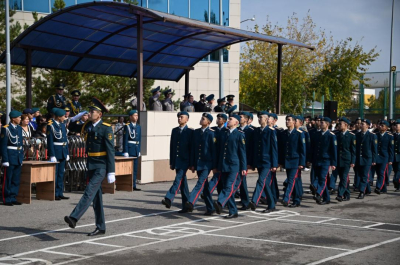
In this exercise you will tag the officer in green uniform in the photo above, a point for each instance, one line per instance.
(57, 100)
(74, 105)
(99, 138)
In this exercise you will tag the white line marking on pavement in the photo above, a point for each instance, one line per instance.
(209, 226)
(146, 237)
(228, 221)
(278, 242)
(61, 253)
(106, 245)
(327, 220)
(354, 251)
(369, 226)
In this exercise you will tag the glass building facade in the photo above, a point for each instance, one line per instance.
(203, 10)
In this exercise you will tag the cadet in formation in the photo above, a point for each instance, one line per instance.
(396, 157)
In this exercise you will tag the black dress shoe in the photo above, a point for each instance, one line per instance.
(346, 199)
(64, 198)
(318, 198)
(70, 221)
(323, 202)
(189, 207)
(16, 203)
(269, 210)
(183, 211)
(166, 202)
(293, 205)
(231, 216)
(252, 206)
(218, 207)
(339, 199)
(209, 213)
(377, 191)
(8, 204)
(285, 204)
(57, 198)
(244, 208)
(137, 189)
(202, 196)
(97, 232)
(237, 195)
(361, 196)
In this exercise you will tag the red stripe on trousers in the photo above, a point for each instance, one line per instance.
(367, 179)
(4, 184)
(216, 184)
(294, 181)
(202, 186)
(384, 176)
(326, 179)
(178, 187)
(261, 192)
(234, 182)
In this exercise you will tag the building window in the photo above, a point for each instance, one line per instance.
(15, 4)
(179, 8)
(160, 5)
(37, 5)
(83, 1)
(199, 10)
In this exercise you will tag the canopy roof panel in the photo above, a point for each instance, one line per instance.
(101, 38)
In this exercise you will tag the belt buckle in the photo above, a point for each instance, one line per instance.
(64, 144)
(19, 148)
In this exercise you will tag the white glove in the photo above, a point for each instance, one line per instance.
(139, 154)
(53, 159)
(67, 158)
(6, 164)
(111, 177)
(125, 154)
(78, 116)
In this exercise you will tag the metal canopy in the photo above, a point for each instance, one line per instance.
(101, 38)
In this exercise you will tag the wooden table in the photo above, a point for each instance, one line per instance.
(43, 174)
(123, 176)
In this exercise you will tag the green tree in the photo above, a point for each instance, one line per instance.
(58, 5)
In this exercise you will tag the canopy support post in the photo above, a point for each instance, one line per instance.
(187, 82)
(28, 81)
(139, 64)
(278, 80)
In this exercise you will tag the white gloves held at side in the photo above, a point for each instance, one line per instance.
(110, 177)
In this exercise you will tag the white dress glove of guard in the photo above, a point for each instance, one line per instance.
(125, 154)
(6, 164)
(79, 116)
(53, 159)
(111, 177)
(67, 158)
(139, 154)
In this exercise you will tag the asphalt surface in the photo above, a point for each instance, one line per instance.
(140, 230)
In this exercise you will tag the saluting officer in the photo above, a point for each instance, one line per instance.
(154, 100)
(180, 149)
(265, 159)
(230, 103)
(324, 157)
(396, 157)
(12, 155)
(210, 103)
(204, 159)
(231, 149)
(167, 103)
(366, 152)
(57, 146)
(384, 156)
(292, 157)
(100, 163)
(132, 142)
(346, 158)
(221, 105)
(74, 105)
(57, 100)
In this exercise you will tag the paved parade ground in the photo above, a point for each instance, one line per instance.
(142, 231)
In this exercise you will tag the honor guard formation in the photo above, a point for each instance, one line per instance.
(326, 150)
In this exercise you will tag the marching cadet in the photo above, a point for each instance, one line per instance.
(384, 158)
(346, 158)
(366, 152)
(272, 120)
(132, 142)
(203, 162)
(265, 159)
(221, 105)
(293, 158)
(231, 149)
(396, 157)
(57, 100)
(250, 120)
(356, 182)
(100, 163)
(313, 132)
(210, 103)
(74, 105)
(12, 156)
(323, 157)
(334, 175)
(57, 148)
(154, 100)
(180, 149)
(241, 182)
(167, 103)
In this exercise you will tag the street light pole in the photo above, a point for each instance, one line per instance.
(390, 69)
(221, 57)
(8, 63)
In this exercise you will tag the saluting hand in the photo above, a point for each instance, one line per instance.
(244, 172)
(351, 165)
(300, 167)
(333, 167)
(273, 169)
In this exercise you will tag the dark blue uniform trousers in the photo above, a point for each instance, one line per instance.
(227, 195)
(93, 193)
(215, 182)
(382, 175)
(332, 180)
(372, 172)
(291, 174)
(202, 185)
(363, 172)
(241, 184)
(313, 179)
(396, 178)
(387, 180)
(11, 182)
(298, 189)
(180, 183)
(135, 167)
(344, 181)
(264, 175)
(60, 169)
(322, 175)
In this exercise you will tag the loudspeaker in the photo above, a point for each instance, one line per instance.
(330, 109)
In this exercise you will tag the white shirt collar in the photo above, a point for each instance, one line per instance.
(15, 126)
(383, 133)
(97, 122)
(344, 132)
(231, 130)
(204, 129)
(242, 128)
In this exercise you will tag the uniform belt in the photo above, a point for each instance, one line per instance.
(58, 143)
(133, 142)
(97, 154)
(14, 147)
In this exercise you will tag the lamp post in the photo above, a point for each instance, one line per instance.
(252, 19)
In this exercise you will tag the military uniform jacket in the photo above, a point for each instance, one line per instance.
(385, 152)
(324, 149)
(56, 101)
(308, 142)
(231, 151)
(11, 145)
(167, 105)
(366, 148)
(396, 156)
(180, 148)
(249, 134)
(75, 107)
(219, 108)
(279, 131)
(265, 148)
(204, 154)
(293, 146)
(132, 139)
(346, 149)
(155, 103)
(57, 143)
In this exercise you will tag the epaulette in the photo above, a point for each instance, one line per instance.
(190, 128)
(300, 131)
(106, 124)
(332, 133)
(211, 129)
(272, 128)
(352, 133)
(372, 132)
(251, 128)
(49, 123)
(240, 131)
(390, 133)
(5, 126)
(279, 128)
